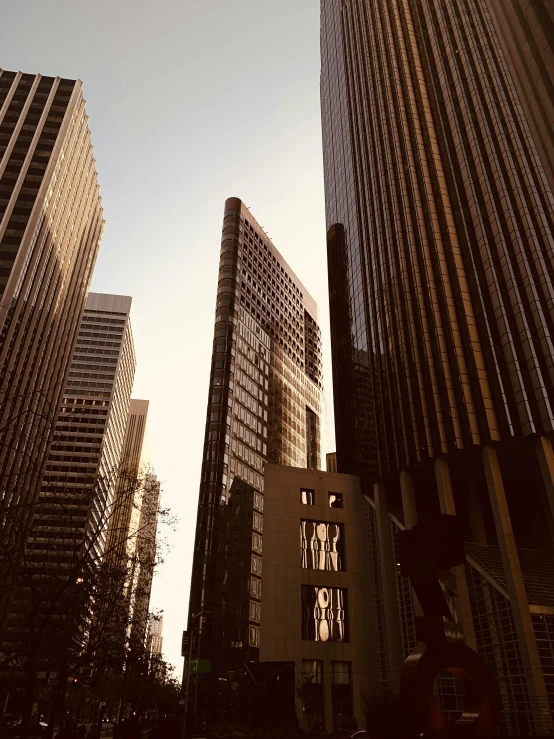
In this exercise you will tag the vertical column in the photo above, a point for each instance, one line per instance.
(477, 523)
(410, 517)
(408, 499)
(446, 500)
(545, 455)
(388, 582)
(516, 590)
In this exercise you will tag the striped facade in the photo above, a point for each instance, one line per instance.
(526, 32)
(85, 457)
(50, 229)
(440, 223)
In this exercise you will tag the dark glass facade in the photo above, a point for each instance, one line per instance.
(265, 405)
(440, 224)
(526, 32)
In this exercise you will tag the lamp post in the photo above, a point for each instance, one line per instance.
(196, 615)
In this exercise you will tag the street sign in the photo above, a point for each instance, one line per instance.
(200, 666)
(185, 644)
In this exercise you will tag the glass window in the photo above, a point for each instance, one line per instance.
(341, 690)
(335, 500)
(307, 497)
(311, 691)
(324, 616)
(322, 546)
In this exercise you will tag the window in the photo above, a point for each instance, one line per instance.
(341, 691)
(255, 587)
(307, 497)
(255, 611)
(335, 500)
(324, 614)
(321, 546)
(256, 565)
(312, 690)
(253, 635)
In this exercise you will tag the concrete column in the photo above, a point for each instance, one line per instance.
(477, 523)
(410, 518)
(545, 455)
(408, 499)
(388, 584)
(516, 590)
(446, 500)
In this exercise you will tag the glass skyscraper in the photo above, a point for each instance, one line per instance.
(440, 224)
(265, 405)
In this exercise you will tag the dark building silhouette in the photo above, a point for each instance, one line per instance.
(265, 405)
(50, 229)
(440, 245)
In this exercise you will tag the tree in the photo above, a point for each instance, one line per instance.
(71, 615)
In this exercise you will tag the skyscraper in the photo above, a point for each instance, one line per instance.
(265, 405)
(70, 520)
(85, 455)
(146, 551)
(526, 32)
(121, 541)
(440, 252)
(50, 229)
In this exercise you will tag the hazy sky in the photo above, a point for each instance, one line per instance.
(190, 102)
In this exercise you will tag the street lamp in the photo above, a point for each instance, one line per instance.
(195, 615)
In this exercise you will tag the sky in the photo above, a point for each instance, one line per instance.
(190, 102)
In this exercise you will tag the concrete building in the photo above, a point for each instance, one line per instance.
(132, 490)
(440, 219)
(121, 542)
(316, 592)
(146, 560)
(154, 641)
(50, 229)
(265, 405)
(70, 520)
(85, 456)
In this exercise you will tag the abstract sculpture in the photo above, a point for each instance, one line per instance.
(424, 552)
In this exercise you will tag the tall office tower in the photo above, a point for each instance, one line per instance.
(121, 541)
(265, 405)
(526, 32)
(85, 454)
(145, 560)
(155, 635)
(50, 229)
(69, 524)
(120, 555)
(440, 252)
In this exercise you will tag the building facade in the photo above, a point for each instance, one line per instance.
(265, 405)
(317, 597)
(85, 455)
(69, 525)
(50, 229)
(440, 219)
(526, 32)
(146, 558)
(121, 542)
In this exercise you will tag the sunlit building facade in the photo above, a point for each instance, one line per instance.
(85, 456)
(440, 223)
(265, 405)
(51, 223)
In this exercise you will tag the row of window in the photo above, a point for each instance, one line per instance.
(307, 497)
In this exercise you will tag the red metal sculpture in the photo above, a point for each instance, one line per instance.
(424, 552)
